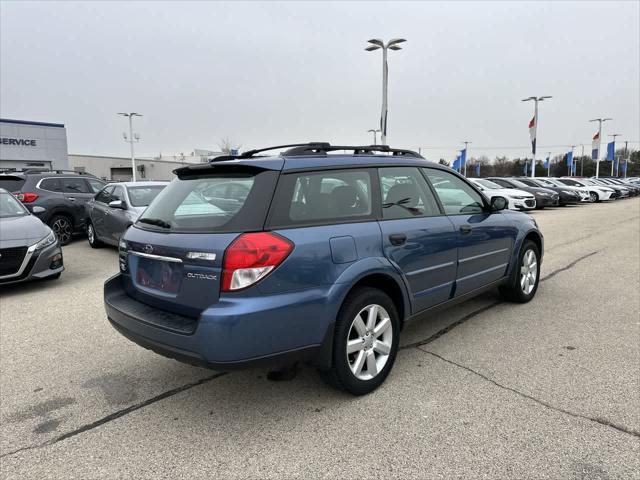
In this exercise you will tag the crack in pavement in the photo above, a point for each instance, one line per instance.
(170, 393)
(118, 414)
(598, 420)
(607, 229)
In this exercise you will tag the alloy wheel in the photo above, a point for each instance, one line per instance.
(369, 342)
(528, 272)
(593, 197)
(62, 228)
(90, 234)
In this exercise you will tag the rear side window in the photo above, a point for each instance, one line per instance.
(405, 194)
(456, 196)
(219, 202)
(51, 184)
(74, 185)
(10, 183)
(332, 196)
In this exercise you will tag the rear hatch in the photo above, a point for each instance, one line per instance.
(174, 252)
(11, 183)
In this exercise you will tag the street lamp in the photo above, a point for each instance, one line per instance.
(132, 138)
(375, 142)
(600, 121)
(534, 140)
(376, 44)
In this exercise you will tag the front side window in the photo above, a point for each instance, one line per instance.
(117, 194)
(104, 196)
(216, 202)
(405, 194)
(488, 184)
(323, 197)
(11, 207)
(456, 196)
(142, 196)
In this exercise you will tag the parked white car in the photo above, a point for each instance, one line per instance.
(554, 182)
(518, 199)
(597, 192)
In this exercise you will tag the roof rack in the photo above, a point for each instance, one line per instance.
(56, 170)
(321, 148)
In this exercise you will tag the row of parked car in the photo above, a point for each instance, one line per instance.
(307, 255)
(525, 193)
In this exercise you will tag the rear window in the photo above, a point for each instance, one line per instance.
(224, 202)
(142, 196)
(11, 184)
(332, 196)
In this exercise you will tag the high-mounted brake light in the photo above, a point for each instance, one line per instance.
(251, 257)
(26, 197)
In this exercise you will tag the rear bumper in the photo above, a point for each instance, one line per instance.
(236, 333)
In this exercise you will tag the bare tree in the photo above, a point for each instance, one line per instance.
(226, 145)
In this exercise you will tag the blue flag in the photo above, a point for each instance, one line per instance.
(477, 169)
(573, 168)
(569, 159)
(611, 150)
(463, 157)
(624, 168)
(456, 163)
(526, 167)
(546, 163)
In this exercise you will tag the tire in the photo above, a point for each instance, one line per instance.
(94, 242)
(62, 226)
(593, 197)
(515, 290)
(373, 354)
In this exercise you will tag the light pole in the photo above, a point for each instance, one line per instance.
(549, 164)
(374, 131)
(132, 138)
(613, 161)
(599, 120)
(626, 158)
(393, 44)
(464, 156)
(534, 138)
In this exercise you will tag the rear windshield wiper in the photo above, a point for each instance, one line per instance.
(155, 221)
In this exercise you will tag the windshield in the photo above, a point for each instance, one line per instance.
(545, 182)
(518, 183)
(11, 207)
(222, 202)
(488, 184)
(571, 183)
(142, 196)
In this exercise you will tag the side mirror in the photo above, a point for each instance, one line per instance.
(118, 204)
(498, 203)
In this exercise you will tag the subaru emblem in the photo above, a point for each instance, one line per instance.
(148, 248)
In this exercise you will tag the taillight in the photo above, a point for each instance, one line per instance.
(26, 197)
(251, 257)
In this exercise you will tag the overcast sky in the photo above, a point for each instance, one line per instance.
(265, 73)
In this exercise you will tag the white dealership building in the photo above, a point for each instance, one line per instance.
(27, 144)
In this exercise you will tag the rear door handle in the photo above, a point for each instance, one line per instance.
(465, 229)
(397, 238)
(71, 198)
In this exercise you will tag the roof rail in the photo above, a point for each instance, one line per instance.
(56, 170)
(320, 148)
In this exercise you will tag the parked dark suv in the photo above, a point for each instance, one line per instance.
(57, 197)
(312, 255)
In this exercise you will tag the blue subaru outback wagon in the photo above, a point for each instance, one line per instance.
(315, 254)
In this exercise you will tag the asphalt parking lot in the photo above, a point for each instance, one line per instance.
(548, 389)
